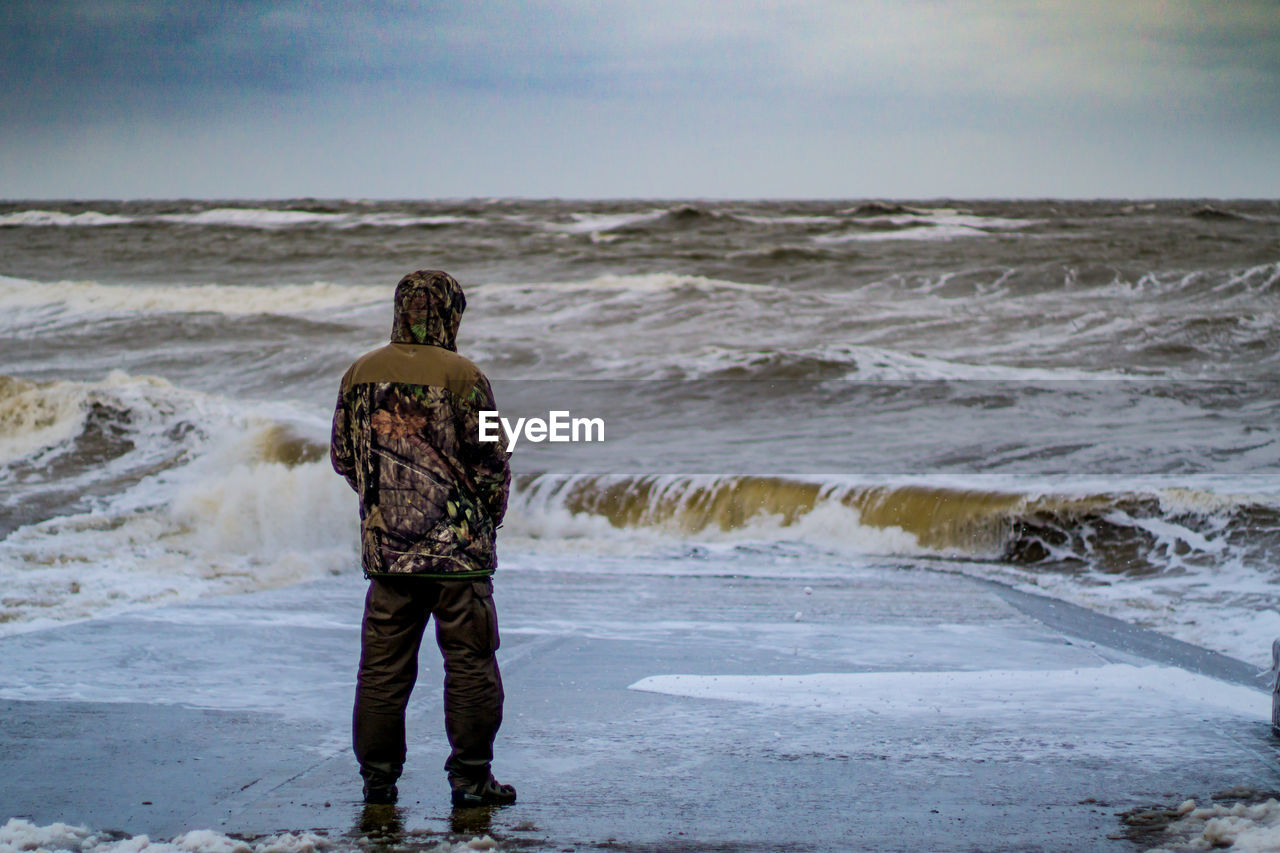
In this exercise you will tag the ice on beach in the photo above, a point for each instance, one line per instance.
(22, 836)
(1247, 828)
(974, 693)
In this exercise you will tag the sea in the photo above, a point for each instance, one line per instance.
(1077, 398)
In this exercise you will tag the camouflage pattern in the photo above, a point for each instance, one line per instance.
(431, 494)
(428, 309)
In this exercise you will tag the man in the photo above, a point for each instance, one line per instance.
(406, 438)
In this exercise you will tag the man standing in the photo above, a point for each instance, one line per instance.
(432, 495)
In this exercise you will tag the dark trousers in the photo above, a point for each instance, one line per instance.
(396, 611)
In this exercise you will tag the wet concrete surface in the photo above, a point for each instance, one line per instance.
(232, 714)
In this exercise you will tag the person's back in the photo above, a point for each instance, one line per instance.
(406, 438)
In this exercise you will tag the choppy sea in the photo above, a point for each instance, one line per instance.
(1078, 398)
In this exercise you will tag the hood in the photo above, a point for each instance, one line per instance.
(429, 306)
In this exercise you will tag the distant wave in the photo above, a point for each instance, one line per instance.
(597, 223)
(252, 217)
(846, 361)
(782, 254)
(639, 284)
(237, 217)
(1216, 214)
(916, 231)
(678, 217)
(878, 223)
(91, 296)
(45, 218)
(786, 219)
(879, 208)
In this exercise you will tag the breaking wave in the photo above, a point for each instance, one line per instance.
(132, 491)
(1113, 533)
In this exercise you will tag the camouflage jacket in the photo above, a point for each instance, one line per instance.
(406, 438)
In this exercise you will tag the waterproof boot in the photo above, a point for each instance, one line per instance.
(487, 793)
(380, 795)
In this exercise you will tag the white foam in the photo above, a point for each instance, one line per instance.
(22, 836)
(867, 363)
(934, 224)
(640, 284)
(1242, 827)
(34, 417)
(538, 513)
(397, 220)
(240, 217)
(81, 297)
(923, 232)
(587, 223)
(788, 220)
(40, 417)
(983, 693)
(253, 217)
(45, 218)
(215, 510)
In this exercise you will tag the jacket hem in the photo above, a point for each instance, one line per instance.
(433, 576)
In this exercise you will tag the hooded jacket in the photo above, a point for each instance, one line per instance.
(406, 438)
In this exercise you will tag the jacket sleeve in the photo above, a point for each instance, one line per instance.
(341, 445)
(486, 461)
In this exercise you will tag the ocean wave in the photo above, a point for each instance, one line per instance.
(33, 417)
(398, 220)
(785, 219)
(849, 361)
(880, 223)
(238, 217)
(1217, 214)
(41, 421)
(256, 217)
(80, 297)
(680, 216)
(872, 209)
(638, 284)
(781, 254)
(1196, 564)
(1111, 533)
(252, 217)
(589, 223)
(46, 218)
(131, 491)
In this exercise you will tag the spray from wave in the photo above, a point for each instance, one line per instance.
(132, 491)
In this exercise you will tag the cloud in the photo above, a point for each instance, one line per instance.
(792, 93)
(1013, 48)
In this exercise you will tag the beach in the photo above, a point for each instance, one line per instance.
(873, 708)
(922, 525)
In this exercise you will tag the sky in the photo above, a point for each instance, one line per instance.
(640, 98)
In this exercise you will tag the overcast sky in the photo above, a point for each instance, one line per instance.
(639, 98)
